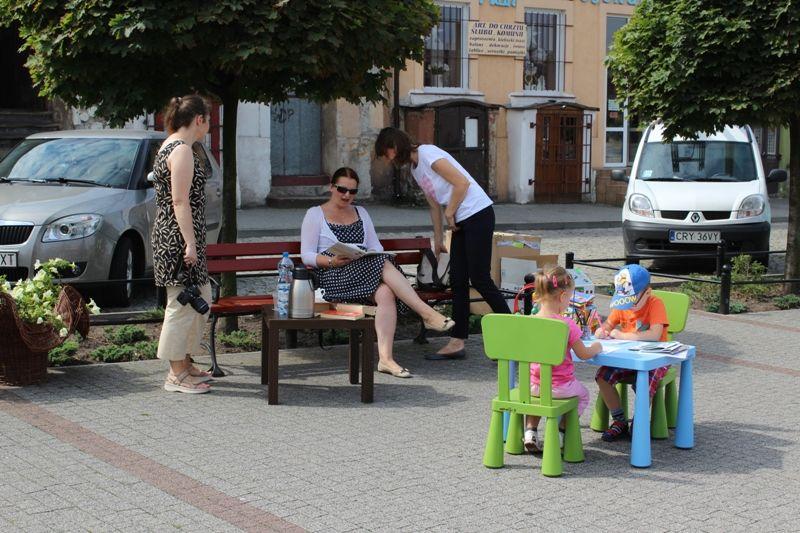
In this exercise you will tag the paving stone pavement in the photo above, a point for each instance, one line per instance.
(104, 448)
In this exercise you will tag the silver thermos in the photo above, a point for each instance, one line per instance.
(301, 296)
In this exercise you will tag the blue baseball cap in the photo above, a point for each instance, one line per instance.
(629, 283)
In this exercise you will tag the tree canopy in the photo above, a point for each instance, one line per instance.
(698, 65)
(701, 64)
(127, 56)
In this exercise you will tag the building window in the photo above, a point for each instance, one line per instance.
(446, 63)
(767, 139)
(623, 129)
(544, 61)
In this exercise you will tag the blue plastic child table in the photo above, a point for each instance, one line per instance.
(642, 362)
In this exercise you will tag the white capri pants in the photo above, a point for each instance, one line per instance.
(182, 330)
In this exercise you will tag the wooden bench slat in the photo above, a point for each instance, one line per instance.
(412, 243)
(252, 248)
(408, 258)
(218, 266)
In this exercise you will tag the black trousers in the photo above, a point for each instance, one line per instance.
(471, 262)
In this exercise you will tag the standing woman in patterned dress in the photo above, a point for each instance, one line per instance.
(179, 240)
(454, 195)
(371, 280)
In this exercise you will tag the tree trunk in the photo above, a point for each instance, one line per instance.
(793, 234)
(230, 103)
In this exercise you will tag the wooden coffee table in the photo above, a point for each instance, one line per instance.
(362, 339)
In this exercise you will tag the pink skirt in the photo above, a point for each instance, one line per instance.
(568, 390)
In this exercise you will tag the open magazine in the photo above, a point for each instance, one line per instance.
(351, 251)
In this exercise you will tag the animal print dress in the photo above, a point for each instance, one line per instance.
(168, 243)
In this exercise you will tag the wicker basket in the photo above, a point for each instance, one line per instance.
(23, 354)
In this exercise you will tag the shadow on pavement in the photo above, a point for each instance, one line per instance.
(721, 448)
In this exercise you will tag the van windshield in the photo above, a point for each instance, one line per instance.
(697, 161)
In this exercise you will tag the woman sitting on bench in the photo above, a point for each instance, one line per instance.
(370, 280)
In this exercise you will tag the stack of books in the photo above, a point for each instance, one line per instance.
(341, 315)
(348, 311)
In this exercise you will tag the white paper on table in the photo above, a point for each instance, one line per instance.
(612, 345)
(680, 355)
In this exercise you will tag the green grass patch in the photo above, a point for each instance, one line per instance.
(787, 301)
(243, 340)
(125, 335)
(64, 354)
(743, 268)
(136, 352)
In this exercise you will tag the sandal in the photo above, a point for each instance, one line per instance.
(183, 382)
(201, 376)
(447, 325)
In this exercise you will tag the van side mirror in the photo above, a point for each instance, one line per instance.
(619, 175)
(777, 175)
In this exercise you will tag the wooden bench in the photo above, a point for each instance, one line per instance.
(261, 259)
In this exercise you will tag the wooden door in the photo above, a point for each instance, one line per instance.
(462, 131)
(559, 161)
(296, 131)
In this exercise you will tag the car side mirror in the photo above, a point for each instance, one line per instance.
(619, 175)
(777, 175)
(150, 179)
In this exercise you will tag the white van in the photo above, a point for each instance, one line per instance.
(687, 195)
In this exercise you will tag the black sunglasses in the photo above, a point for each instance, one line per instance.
(343, 190)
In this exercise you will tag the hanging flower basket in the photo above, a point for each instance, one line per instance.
(23, 355)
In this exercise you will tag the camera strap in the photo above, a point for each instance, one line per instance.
(184, 273)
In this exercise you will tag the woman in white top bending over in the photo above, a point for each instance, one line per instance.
(372, 279)
(452, 192)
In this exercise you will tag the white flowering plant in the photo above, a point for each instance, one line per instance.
(36, 297)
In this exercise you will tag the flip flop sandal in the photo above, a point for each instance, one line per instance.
(180, 383)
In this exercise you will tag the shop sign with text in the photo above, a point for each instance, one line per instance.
(497, 38)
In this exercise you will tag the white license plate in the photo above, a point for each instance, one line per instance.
(8, 259)
(694, 237)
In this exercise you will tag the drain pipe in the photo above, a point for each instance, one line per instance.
(396, 106)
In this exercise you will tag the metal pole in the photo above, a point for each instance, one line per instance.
(721, 247)
(570, 260)
(725, 290)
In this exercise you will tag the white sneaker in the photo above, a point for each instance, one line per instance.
(531, 441)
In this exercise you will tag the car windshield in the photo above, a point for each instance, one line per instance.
(105, 162)
(697, 161)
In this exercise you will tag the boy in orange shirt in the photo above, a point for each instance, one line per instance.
(636, 315)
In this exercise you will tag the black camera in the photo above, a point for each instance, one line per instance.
(191, 295)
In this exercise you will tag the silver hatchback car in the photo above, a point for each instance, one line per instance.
(84, 196)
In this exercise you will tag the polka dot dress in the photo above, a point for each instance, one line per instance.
(357, 281)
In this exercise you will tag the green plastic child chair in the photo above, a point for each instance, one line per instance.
(664, 411)
(526, 340)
